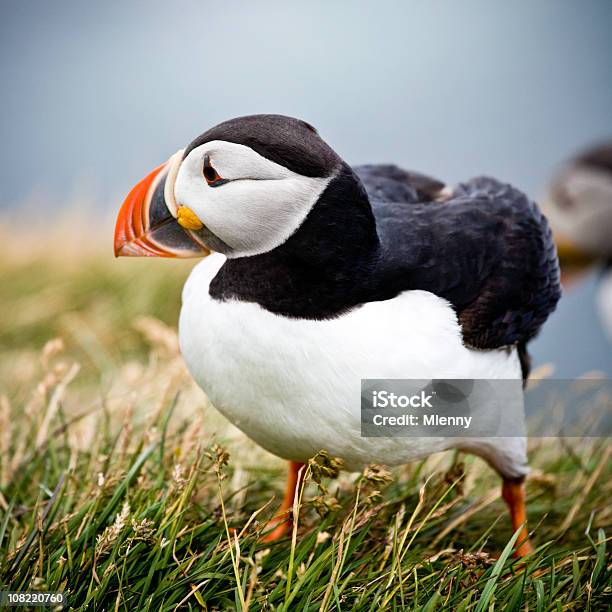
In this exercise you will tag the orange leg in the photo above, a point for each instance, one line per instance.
(284, 519)
(513, 493)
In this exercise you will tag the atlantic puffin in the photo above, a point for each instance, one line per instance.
(579, 207)
(320, 274)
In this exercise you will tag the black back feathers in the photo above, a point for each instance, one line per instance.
(488, 250)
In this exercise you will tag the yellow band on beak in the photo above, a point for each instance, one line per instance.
(188, 219)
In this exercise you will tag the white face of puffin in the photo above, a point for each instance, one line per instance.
(250, 203)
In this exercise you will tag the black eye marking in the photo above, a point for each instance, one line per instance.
(211, 175)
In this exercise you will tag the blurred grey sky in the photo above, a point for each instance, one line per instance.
(104, 91)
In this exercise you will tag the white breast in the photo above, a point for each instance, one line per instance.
(293, 385)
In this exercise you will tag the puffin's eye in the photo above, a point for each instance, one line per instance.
(211, 175)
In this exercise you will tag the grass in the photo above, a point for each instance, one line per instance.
(121, 486)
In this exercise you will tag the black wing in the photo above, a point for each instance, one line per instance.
(487, 249)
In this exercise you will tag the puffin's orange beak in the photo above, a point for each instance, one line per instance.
(150, 224)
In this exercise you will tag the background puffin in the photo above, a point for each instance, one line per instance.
(323, 275)
(579, 207)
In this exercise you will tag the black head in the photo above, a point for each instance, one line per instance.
(287, 141)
